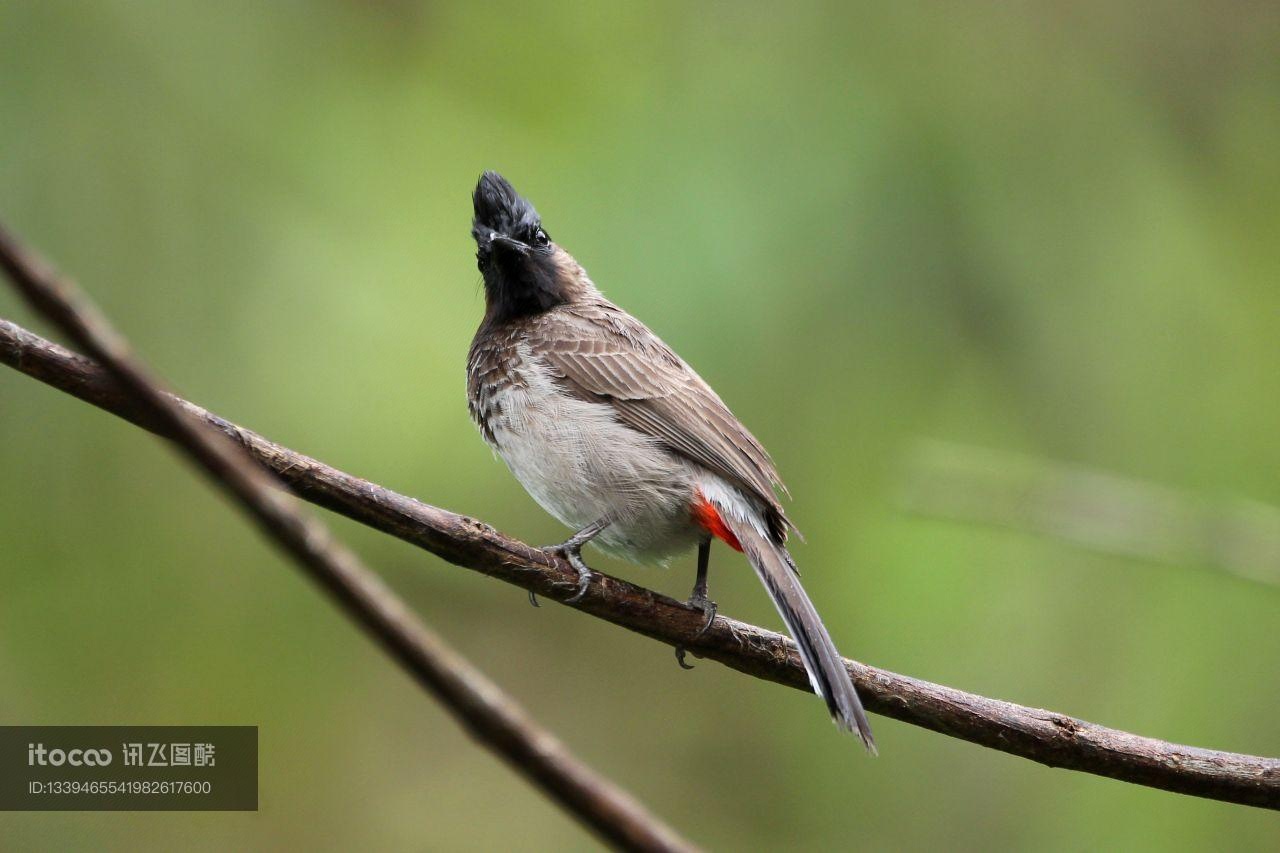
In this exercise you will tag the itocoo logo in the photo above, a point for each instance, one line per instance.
(38, 755)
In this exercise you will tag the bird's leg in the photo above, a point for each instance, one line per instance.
(571, 550)
(698, 600)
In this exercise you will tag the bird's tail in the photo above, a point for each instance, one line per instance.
(822, 662)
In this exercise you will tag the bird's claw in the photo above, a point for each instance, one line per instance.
(707, 607)
(573, 555)
(584, 581)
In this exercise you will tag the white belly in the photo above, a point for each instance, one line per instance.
(580, 464)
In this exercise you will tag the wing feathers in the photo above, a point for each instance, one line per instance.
(600, 352)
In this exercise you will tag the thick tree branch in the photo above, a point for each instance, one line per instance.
(1043, 736)
(492, 717)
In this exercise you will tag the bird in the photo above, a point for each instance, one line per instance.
(618, 438)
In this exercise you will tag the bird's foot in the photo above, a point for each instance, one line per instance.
(698, 601)
(571, 551)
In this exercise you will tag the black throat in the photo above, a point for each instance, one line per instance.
(521, 286)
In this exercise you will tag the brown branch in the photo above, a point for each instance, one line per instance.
(491, 717)
(1043, 736)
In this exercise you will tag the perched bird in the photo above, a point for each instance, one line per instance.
(613, 434)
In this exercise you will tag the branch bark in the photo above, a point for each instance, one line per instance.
(1046, 737)
(492, 718)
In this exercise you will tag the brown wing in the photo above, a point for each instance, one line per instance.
(600, 352)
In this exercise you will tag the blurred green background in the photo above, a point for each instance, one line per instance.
(1040, 228)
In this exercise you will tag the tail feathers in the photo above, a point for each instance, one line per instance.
(822, 662)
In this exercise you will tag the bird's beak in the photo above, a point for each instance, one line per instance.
(508, 243)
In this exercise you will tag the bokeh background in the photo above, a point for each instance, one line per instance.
(897, 239)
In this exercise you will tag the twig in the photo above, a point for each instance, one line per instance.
(1093, 509)
(483, 709)
(1047, 737)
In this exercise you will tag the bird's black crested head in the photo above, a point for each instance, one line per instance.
(498, 207)
(523, 270)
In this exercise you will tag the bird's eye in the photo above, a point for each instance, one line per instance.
(540, 237)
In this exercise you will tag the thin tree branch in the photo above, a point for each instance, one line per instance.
(1043, 736)
(1093, 509)
(484, 710)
